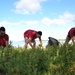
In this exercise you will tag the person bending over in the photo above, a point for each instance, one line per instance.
(70, 36)
(30, 36)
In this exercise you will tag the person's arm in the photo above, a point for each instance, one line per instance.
(7, 41)
(7, 44)
(72, 39)
(40, 41)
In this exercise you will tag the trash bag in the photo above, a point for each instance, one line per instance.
(52, 41)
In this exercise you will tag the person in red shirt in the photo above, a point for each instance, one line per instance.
(71, 35)
(4, 38)
(30, 36)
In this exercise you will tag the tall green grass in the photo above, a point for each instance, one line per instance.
(52, 60)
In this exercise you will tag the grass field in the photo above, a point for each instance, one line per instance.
(53, 60)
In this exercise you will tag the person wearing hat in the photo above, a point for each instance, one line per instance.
(30, 36)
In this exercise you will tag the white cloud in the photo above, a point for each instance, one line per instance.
(31, 22)
(64, 19)
(48, 21)
(5, 23)
(67, 17)
(28, 6)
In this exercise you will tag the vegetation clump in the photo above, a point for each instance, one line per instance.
(53, 60)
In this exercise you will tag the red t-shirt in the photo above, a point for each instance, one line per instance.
(3, 40)
(30, 34)
(71, 32)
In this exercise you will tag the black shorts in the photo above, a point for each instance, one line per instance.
(68, 36)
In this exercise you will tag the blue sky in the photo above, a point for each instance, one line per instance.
(53, 17)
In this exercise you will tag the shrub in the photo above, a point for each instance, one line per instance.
(53, 60)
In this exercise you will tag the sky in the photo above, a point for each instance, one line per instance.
(53, 17)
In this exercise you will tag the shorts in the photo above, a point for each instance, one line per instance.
(28, 38)
(68, 36)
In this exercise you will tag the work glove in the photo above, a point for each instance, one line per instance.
(40, 44)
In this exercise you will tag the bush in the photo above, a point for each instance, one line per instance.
(53, 60)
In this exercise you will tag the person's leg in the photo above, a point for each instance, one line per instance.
(34, 43)
(26, 39)
(67, 39)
